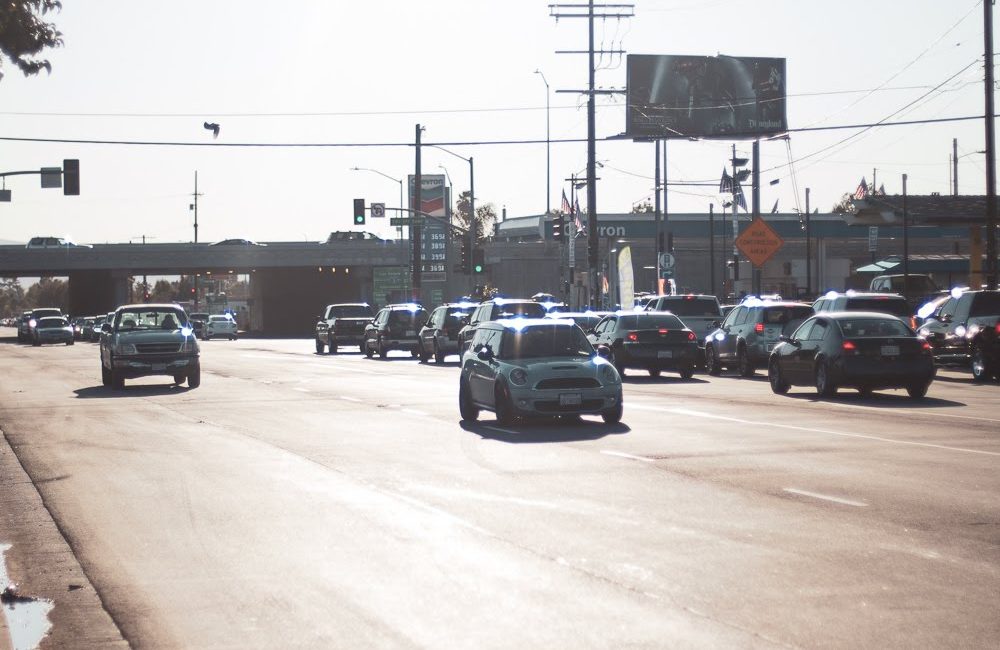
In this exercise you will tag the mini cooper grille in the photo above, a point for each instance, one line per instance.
(567, 382)
(157, 348)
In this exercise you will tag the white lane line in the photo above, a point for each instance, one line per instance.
(622, 454)
(779, 425)
(301, 390)
(348, 398)
(826, 497)
(414, 412)
(914, 411)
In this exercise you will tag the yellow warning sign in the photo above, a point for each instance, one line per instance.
(758, 242)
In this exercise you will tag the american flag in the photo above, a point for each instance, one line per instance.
(566, 207)
(774, 210)
(862, 190)
(576, 217)
(726, 183)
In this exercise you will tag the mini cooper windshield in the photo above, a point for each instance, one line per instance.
(545, 341)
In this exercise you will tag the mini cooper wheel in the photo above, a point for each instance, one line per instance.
(824, 387)
(504, 407)
(613, 415)
(468, 411)
(654, 372)
(917, 391)
(712, 366)
(778, 384)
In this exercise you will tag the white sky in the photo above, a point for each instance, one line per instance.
(138, 70)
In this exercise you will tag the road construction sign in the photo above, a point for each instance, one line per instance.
(758, 242)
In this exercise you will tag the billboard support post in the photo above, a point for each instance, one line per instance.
(755, 201)
(656, 193)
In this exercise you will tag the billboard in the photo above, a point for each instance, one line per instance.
(704, 97)
(434, 236)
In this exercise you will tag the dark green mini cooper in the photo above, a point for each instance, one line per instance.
(530, 367)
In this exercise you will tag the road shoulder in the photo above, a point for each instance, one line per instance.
(42, 564)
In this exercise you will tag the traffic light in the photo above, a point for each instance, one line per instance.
(466, 257)
(478, 261)
(71, 177)
(559, 227)
(359, 212)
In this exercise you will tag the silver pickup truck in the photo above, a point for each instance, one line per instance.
(149, 339)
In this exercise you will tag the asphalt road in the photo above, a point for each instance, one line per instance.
(303, 500)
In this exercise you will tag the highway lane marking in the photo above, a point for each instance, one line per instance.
(622, 454)
(778, 425)
(348, 398)
(414, 412)
(302, 390)
(826, 497)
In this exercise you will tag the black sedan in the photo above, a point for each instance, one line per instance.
(651, 341)
(862, 350)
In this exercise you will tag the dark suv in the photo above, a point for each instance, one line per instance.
(495, 309)
(343, 324)
(745, 339)
(949, 328)
(439, 335)
(395, 328)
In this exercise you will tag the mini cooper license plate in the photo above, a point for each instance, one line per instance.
(570, 399)
(665, 354)
(890, 350)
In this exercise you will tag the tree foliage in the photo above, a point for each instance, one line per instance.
(48, 292)
(486, 216)
(12, 300)
(24, 34)
(643, 207)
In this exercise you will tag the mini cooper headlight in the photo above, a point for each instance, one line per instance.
(609, 374)
(518, 377)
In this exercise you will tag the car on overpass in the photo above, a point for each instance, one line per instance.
(237, 241)
(149, 339)
(53, 242)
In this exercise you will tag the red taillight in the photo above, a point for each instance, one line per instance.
(633, 336)
(926, 347)
(998, 328)
(849, 346)
(690, 336)
(913, 322)
(759, 327)
(664, 330)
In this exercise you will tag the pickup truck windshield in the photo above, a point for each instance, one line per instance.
(149, 319)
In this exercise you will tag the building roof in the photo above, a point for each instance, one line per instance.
(922, 210)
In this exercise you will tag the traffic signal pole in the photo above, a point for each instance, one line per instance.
(415, 228)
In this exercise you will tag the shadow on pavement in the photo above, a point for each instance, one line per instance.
(893, 400)
(544, 430)
(665, 378)
(145, 390)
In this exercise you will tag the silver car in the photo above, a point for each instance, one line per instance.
(52, 329)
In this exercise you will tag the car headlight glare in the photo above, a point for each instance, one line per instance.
(960, 330)
(518, 377)
(124, 348)
(609, 374)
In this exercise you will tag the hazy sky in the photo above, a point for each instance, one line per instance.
(328, 72)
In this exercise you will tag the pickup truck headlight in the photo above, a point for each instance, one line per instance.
(124, 348)
(189, 345)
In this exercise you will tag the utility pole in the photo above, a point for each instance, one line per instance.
(991, 161)
(415, 225)
(755, 206)
(617, 11)
(906, 238)
(711, 249)
(954, 163)
(808, 251)
(194, 207)
(656, 192)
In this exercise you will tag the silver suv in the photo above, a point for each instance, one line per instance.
(751, 330)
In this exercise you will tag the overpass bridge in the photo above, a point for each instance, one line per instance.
(290, 282)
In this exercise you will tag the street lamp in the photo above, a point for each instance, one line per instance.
(548, 146)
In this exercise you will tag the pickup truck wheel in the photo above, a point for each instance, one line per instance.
(319, 347)
(438, 355)
(424, 356)
(333, 346)
(105, 376)
(117, 381)
(687, 372)
(178, 379)
(194, 377)
(654, 372)
(366, 349)
(382, 352)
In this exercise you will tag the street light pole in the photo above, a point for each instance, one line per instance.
(399, 229)
(548, 148)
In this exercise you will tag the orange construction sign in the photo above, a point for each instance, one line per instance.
(759, 242)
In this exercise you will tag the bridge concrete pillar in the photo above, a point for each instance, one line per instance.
(96, 292)
(287, 301)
